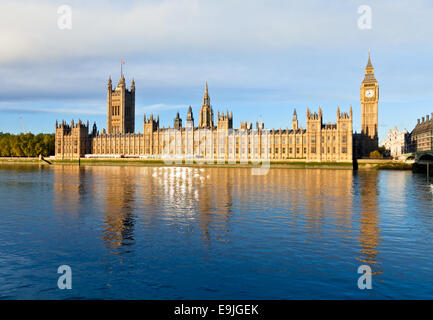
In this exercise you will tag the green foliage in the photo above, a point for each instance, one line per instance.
(26, 145)
(375, 154)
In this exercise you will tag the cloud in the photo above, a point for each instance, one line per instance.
(256, 55)
(29, 28)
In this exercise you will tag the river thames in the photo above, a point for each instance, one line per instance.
(131, 232)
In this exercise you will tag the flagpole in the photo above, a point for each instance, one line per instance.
(121, 68)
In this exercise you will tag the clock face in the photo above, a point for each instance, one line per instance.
(369, 93)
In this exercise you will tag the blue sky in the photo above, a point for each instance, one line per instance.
(261, 59)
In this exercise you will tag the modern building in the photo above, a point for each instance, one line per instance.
(421, 138)
(318, 142)
(397, 142)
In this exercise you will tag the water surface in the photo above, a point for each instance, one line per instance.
(213, 233)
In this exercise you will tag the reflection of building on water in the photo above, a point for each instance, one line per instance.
(369, 231)
(69, 187)
(328, 191)
(308, 194)
(119, 201)
(187, 199)
(188, 195)
(73, 189)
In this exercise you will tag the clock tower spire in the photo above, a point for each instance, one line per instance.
(369, 109)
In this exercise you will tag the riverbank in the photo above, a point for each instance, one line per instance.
(383, 164)
(19, 160)
(363, 164)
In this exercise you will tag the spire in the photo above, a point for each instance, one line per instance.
(206, 96)
(369, 70)
(369, 64)
(295, 120)
(189, 117)
(132, 84)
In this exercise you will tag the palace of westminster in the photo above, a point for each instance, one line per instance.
(318, 142)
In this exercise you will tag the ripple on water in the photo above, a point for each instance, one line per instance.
(212, 233)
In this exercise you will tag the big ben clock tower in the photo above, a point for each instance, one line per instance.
(369, 102)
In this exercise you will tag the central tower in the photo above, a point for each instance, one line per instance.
(369, 96)
(206, 113)
(120, 107)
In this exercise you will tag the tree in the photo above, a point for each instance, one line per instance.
(375, 154)
(26, 145)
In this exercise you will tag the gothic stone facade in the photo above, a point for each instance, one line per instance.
(120, 107)
(368, 139)
(319, 142)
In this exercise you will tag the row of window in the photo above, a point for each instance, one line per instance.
(222, 150)
(115, 110)
(343, 150)
(343, 139)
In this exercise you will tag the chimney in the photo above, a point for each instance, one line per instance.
(423, 119)
(418, 121)
(427, 118)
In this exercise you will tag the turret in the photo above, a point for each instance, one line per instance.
(206, 113)
(177, 122)
(109, 84)
(295, 120)
(94, 129)
(150, 124)
(189, 119)
(121, 81)
(225, 121)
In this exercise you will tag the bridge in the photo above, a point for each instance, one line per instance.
(421, 159)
